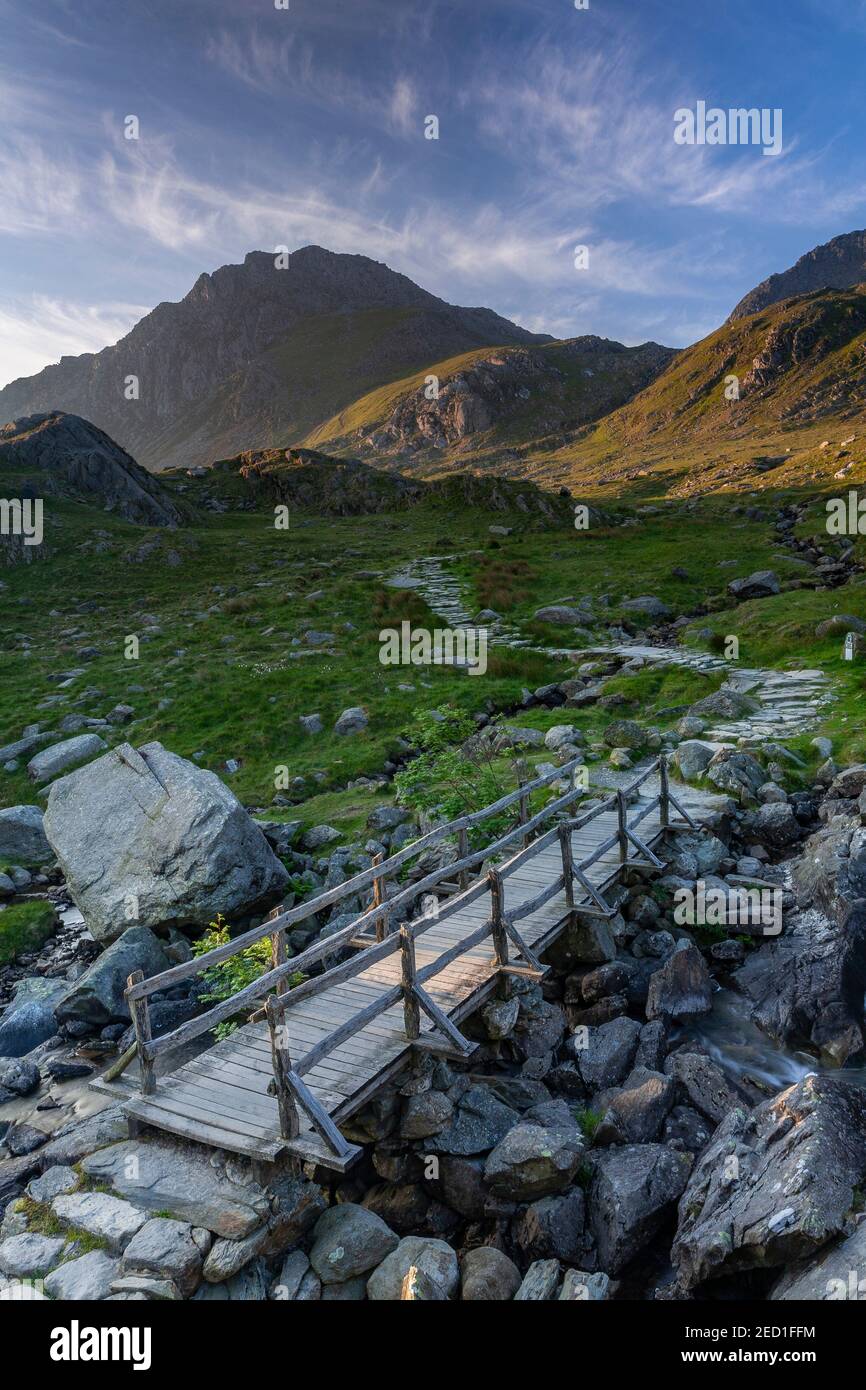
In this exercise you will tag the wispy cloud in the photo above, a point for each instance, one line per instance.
(596, 132)
(38, 330)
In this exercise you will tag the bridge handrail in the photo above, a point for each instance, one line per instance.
(176, 973)
(290, 1087)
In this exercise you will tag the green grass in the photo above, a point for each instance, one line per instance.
(221, 675)
(25, 927)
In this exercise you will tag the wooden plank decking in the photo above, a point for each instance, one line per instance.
(221, 1098)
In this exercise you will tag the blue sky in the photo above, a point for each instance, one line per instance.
(262, 126)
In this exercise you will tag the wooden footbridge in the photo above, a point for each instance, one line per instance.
(316, 1051)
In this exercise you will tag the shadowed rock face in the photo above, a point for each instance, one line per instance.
(774, 1184)
(807, 986)
(837, 265)
(59, 454)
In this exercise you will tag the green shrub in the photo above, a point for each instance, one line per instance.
(229, 976)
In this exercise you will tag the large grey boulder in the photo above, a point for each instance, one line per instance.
(609, 1054)
(80, 1137)
(563, 613)
(624, 733)
(806, 987)
(703, 1084)
(50, 762)
(636, 1113)
(28, 1255)
(553, 1228)
(738, 774)
(761, 584)
(634, 1190)
(165, 1249)
(22, 837)
(774, 1184)
(348, 1241)
(146, 838)
(694, 855)
(647, 605)
(724, 703)
(97, 996)
(693, 758)
(108, 1218)
(18, 1075)
(434, 1258)
(352, 721)
(540, 1283)
(830, 875)
(534, 1161)
(478, 1123)
(848, 783)
(773, 825)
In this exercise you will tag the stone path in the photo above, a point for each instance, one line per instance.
(789, 701)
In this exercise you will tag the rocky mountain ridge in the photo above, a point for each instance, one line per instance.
(257, 353)
(838, 264)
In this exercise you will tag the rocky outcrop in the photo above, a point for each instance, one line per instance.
(807, 986)
(837, 264)
(774, 1184)
(146, 838)
(555, 388)
(65, 455)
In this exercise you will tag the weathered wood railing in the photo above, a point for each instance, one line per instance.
(290, 1088)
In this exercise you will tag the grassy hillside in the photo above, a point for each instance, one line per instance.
(800, 368)
(222, 609)
(495, 406)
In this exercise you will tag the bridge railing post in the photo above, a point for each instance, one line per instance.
(279, 954)
(408, 973)
(523, 805)
(664, 794)
(463, 853)
(622, 825)
(378, 899)
(497, 919)
(282, 1065)
(567, 864)
(140, 1010)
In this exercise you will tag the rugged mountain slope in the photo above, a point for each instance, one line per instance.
(838, 264)
(255, 355)
(62, 455)
(800, 369)
(488, 407)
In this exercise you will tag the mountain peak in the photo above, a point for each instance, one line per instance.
(839, 264)
(258, 354)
